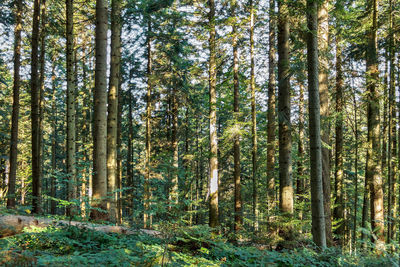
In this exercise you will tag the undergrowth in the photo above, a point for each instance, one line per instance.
(175, 246)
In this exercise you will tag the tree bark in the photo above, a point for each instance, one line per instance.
(129, 171)
(174, 142)
(99, 182)
(317, 197)
(300, 152)
(253, 119)
(392, 133)
(355, 169)
(15, 108)
(373, 168)
(71, 129)
(213, 182)
(271, 116)
(236, 141)
(285, 138)
(53, 138)
(323, 46)
(118, 181)
(42, 62)
(147, 193)
(112, 119)
(35, 116)
(338, 212)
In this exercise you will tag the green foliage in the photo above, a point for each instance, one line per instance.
(176, 246)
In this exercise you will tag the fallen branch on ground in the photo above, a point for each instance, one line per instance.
(15, 224)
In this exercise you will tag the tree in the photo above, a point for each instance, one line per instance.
(373, 169)
(147, 193)
(100, 113)
(35, 116)
(112, 119)
(236, 142)
(15, 111)
(317, 197)
(213, 184)
(323, 33)
(271, 143)
(392, 152)
(285, 138)
(338, 212)
(71, 138)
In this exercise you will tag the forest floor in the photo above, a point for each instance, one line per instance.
(68, 245)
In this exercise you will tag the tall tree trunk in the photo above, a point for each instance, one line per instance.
(285, 138)
(385, 135)
(253, 118)
(112, 119)
(355, 170)
(392, 133)
(53, 203)
(373, 168)
(236, 142)
(338, 212)
(71, 144)
(15, 108)
(398, 149)
(99, 182)
(129, 171)
(147, 193)
(323, 46)
(317, 197)
(213, 182)
(42, 62)
(85, 132)
(118, 181)
(174, 142)
(35, 116)
(300, 152)
(271, 124)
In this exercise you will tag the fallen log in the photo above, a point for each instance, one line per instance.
(15, 224)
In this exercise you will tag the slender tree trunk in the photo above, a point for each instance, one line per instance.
(392, 135)
(317, 197)
(147, 193)
(373, 168)
(213, 184)
(365, 209)
(118, 181)
(99, 182)
(236, 142)
(53, 203)
(35, 116)
(271, 124)
(301, 157)
(285, 138)
(338, 212)
(112, 119)
(253, 118)
(385, 122)
(42, 63)
(15, 108)
(129, 162)
(323, 33)
(398, 151)
(174, 142)
(355, 170)
(85, 132)
(71, 145)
